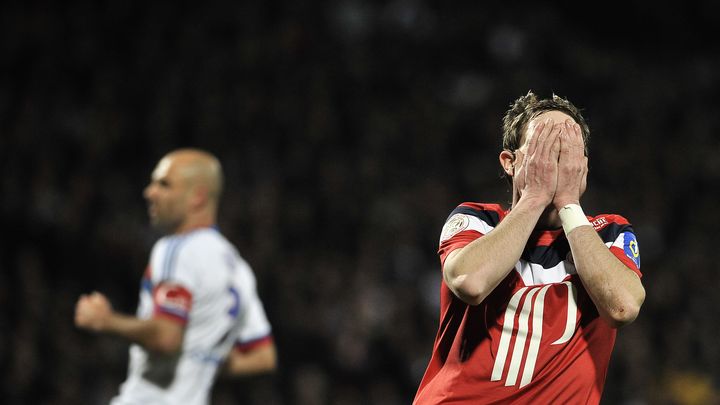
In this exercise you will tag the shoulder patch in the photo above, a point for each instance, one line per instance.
(455, 224)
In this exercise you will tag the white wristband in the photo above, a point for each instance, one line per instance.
(572, 216)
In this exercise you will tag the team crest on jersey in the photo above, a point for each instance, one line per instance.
(456, 223)
(631, 248)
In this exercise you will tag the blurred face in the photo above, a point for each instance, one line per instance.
(167, 196)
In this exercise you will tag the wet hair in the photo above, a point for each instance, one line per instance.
(527, 107)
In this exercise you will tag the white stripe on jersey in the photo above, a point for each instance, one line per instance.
(477, 224)
(619, 241)
(535, 274)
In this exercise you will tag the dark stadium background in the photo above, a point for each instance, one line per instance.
(348, 131)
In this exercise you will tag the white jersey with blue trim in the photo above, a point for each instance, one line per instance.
(200, 280)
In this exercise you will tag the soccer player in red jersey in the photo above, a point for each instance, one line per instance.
(532, 297)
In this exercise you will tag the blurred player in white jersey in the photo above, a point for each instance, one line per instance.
(199, 313)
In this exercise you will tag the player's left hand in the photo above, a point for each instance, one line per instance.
(572, 166)
(92, 311)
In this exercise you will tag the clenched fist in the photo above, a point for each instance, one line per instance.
(92, 312)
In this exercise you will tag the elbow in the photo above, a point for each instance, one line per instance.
(167, 344)
(466, 288)
(269, 364)
(261, 360)
(622, 317)
(625, 314)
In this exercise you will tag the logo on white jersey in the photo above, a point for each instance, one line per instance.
(534, 302)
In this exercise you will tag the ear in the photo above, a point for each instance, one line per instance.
(199, 196)
(507, 161)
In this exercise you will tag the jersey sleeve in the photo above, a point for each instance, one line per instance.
(173, 301)
(626, 248)
(467, 222)
(619, 237)
(253, 326)
(175, 281)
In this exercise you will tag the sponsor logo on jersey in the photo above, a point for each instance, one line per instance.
(631, 248)
(454, 225)
(600, 222)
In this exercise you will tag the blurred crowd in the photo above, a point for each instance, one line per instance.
(348, 131)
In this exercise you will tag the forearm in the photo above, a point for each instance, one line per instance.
(615, 290)
(155, 334)
(256, 361)
(475, 270)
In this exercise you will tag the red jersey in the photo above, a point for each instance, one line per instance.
(537, 338)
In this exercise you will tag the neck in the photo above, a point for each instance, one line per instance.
(196, 221)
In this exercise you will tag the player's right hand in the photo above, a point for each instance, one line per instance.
(537, 172)
(92, 311)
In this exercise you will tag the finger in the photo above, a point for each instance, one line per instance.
(573, 141)
(541, 132)
(549, 141)
(578, 136)
(578, 130)
(546, 136)
(532, 141)
(555, 150)
(565, 145)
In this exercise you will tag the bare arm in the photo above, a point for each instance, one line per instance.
(93, 312)
(616, 290)
(474, 271)
(261, 359)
